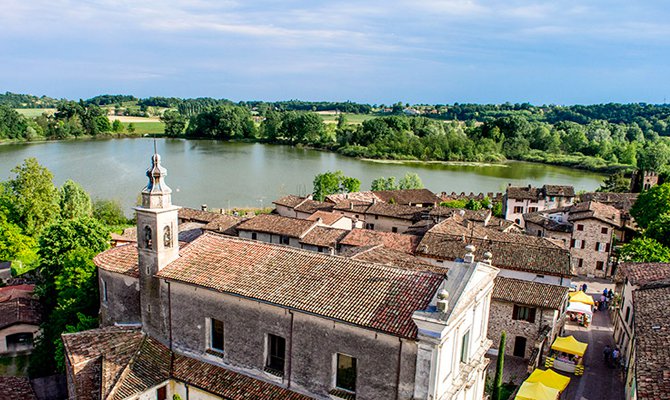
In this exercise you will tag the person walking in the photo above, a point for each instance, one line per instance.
(607, 354)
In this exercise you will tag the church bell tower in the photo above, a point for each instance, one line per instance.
(157, 244)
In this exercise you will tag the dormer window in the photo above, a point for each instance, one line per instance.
(147, 237)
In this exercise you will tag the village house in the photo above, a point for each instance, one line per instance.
(630, 277)
(519, 200)
(357, 238)
(648, 373)
(236, 318)
(402, 197)
(380, 216)
(295, 232)
(20, 319)
(300, 207)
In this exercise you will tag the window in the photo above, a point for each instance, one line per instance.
(104, 290)
(580, 227)
(370, 226)
(522, 313)
(284, 239)
(583, 244)
(254, 236)
(167, 237)
(216, 335)
(600, 265)
(346, 373)
(552, 198)
(627, 314)
(580, 262)
(607, 247)
(161, 393)
(597, 247)
(532, 209)
(573, 243)
(603, 230)
(518, 210)
(394, 229)
(147, 237)
(465, 347)
(276, 353)
(376, 216)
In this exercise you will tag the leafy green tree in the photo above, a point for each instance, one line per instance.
(109, 212)
(384, 184)
(659, 229)
(15, 246)
(411, 181)
(270, 127)
(223, 122)
(175, 123)
(130, 128)
(650, 204)
(117, 126)
(652, 157)
(31, 197)
(74, 201)
(500, 363)
(644, 249)
(333, 182)
(616, 182)
(454, 203)
(473, 204)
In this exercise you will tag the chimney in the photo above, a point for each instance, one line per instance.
(470, 255)
(487, 258)
(529, 186)
(203, 207)
(442, 301)
(351, 205)
(374, 200)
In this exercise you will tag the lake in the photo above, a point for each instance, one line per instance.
(222, 174)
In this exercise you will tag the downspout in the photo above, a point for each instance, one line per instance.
(290, 353)
(397, 376)
(169, 315)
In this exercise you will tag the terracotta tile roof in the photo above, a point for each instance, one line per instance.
(407, 196)
(383, 255)
(193, 215)
(516, 251)
(472, 215)
(99, 357)
(366, 237)
(16, 387)
(226, 224)
(20, 310)
(354, 206)
(289, 201)
(540, 218)
(369, 295)
(128, 235)
(621, 201)
(559, 190)
(118, 363)
(640, 274)
(278, 225)
(188, 231)
(323, 236)
(524, 193)
(327, 218)
(409, 213)
(310, 206)
(121, 259)
(529, 293)
(364, 196)
(503, 225)
(593, 209)
(652, 342)
(16, 291)
(228, 384)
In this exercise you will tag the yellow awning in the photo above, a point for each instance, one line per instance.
(581, 297)
(569, 345)
(536, 391)
(549, 378)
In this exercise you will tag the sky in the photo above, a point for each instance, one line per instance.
(377, 52)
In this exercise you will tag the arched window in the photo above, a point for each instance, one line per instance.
(147, 237)
(167, 237)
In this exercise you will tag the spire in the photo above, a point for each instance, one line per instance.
(157, 194)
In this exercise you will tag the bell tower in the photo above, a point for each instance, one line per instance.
(157, 244)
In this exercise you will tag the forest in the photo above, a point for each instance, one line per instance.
(601, 137)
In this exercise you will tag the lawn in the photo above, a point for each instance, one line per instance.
(34, 112)
(351, 118)
(146, 127)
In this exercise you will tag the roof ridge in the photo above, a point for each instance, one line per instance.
(126, 370)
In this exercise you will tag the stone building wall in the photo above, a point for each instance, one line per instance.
(591, 234)
(537, 230)
(123, 298)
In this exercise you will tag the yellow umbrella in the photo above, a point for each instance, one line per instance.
(549, 378)
(569, 345)
(581, 297)
(536, 391)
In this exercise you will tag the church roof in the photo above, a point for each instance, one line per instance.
(370, 295)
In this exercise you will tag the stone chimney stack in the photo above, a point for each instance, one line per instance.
(351, 205)
(487, 258)
(443, 301)
(470, 255)
(203, 207)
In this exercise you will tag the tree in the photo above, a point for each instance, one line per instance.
(500, 363)
(659, 229)
(117, 126)
(616, 182)
(650, 204)
(74, 201)
(411, 181)
(15, 246)
(333, 182)
(643, 249)
(131, 128)
(652, 157)
(384, 184)
(31, 197)
(175, 123)
(109, 212)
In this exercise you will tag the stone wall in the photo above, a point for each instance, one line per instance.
(590, 235)
(311, 344)
(123, 298)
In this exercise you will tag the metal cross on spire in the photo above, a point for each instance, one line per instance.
(155, 151)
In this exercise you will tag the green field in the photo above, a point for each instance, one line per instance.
(351, 118)
(146, 127)
(34, 112)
